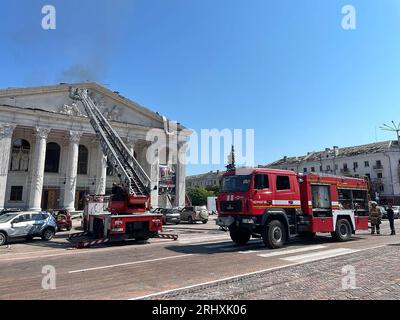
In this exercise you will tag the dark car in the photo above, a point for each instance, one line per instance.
(171, 216)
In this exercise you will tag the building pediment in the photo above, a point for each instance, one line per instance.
(57, 99)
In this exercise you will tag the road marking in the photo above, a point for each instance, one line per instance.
(203, 239)
(309, 257)
(130, 263)
(238, 276)
(290, 251)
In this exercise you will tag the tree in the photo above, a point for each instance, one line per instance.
(199, 196)
(213, 189)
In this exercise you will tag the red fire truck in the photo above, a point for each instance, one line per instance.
(276, 205)
(126, 214)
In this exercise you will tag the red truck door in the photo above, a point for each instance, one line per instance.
(287, 196)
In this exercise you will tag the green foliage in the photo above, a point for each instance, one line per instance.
(213, 189)
(198, 196)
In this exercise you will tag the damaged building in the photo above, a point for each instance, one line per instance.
(50, 156)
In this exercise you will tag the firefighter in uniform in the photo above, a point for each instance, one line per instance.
(375, 216)
(390, 215)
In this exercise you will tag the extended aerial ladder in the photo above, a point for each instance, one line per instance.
(133, 178)
(126, 218)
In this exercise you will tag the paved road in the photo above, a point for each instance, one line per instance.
(202, 255)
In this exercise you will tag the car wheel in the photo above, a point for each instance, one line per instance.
(48, 234)
(190, 220)
(205, 221)
(3, 238)
(343, 230)
(239, 235)
(274, 234)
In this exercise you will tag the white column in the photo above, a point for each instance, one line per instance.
(181, 176)
(6, 132)
(101, 176)
(72, 170)
(154, 177)
(35, 195)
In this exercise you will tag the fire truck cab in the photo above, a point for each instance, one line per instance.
(276, 205)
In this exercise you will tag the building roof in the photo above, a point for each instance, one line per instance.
(376, 147)
(205, 175)
(87, 85)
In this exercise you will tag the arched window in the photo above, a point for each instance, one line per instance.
(52, 163)
(21, 150)
(83, 159)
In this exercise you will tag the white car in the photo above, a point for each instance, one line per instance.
(27, 225)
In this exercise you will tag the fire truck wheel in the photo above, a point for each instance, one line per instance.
(343, 230)
(274, 234)
(239, 235)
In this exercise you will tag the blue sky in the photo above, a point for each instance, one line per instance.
(285, 68)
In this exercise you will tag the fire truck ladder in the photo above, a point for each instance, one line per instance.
(132, 176)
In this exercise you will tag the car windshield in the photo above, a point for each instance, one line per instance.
(236, 183)
(7, 217)
(172, 211)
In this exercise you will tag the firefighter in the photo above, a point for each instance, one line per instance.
(117, 192)
(390, 215)
(375, 216)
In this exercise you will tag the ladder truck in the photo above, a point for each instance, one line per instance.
(124, 215)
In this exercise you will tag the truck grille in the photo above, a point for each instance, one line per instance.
(231, 206)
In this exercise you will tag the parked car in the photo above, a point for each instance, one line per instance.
(4, 211)
(156, 210)
(63, 219)
(396, 210)
(383, 211)
(194, 214)
(27, 225)
(171, 216)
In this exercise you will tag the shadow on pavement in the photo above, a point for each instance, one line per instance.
(254, 245)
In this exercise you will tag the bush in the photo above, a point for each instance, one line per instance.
(198, 196)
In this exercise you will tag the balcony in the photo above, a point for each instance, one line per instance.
(378, 167)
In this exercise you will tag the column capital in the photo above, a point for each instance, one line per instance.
(42, 132)
(74, 136)
(6, 130)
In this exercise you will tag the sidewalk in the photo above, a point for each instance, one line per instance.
(377, 277)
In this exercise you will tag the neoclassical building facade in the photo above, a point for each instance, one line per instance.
(50, 156)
